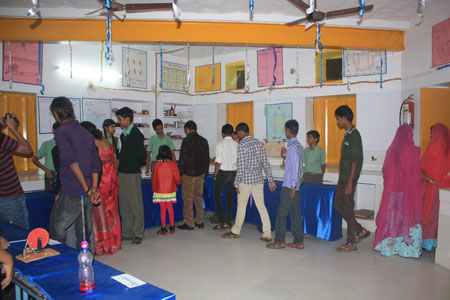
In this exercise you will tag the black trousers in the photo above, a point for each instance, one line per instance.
(224, 179)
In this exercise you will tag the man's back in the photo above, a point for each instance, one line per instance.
(194, 155)
(10, 185)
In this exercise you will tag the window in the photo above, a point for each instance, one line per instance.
(325, 123)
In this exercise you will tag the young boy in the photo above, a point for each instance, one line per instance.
(156, 141)
(349, 170)
(290, 192)
(315, 160)
(45, 151)
(132, 157)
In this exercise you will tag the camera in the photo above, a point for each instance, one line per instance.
(11, 116)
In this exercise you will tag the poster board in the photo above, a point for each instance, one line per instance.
(174, 76)
(276, 117)
(364, 63)
(24, 62)
(266, 63)
(235, 76)
(134, 68)
(46, 118)
(96, 111)
(331, 66)
(203, 78)
(440, 43)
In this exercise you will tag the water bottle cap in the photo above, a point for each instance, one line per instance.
(84, 245)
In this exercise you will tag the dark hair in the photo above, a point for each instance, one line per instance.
(63, 108)
(92, 129)
(107, 123)
(55, 125)
(292, 125)
(125, 112)
(164, 153)
(344, 111)
(190, 125)
(242, 127)
(315, 134)
(227, 129)
(156, 122)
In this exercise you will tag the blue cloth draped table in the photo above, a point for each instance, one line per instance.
(57, 276)
(319, 217)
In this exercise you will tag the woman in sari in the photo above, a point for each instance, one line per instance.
(106, 214)
(399, 218)
(435, 174)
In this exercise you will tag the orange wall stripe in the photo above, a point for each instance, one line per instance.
(199, 33)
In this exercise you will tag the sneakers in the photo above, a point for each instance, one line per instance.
(185, 227)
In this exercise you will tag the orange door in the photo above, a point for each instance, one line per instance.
(240, 112)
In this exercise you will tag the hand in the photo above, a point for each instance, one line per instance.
(237, 190)
(147, 171)
(292, 194)
(282, 166)
(348, 189)
(7, 268)
(48, 174)
(4, 244)
(283, 152)
(11, 123)
(272, 186)
(93, 195)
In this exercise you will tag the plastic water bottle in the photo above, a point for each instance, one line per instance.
(86, 271)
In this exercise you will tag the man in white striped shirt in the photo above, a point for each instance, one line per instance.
(251, 161)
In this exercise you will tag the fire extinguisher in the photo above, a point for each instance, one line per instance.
(407, 111)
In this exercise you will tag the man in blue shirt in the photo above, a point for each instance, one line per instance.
(290, 191)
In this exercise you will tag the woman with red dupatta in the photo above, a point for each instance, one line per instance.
(435, 173)
(106, 215)
(399, 218)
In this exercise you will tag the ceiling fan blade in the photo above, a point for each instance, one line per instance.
(347, 11)
(119, 14)
(95, 13)
(309, 25)
(296, 22)
(137, 7)
(300, 5)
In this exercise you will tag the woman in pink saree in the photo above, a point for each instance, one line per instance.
(435, 173)
(399, 229)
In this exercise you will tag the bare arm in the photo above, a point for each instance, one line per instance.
(24, 148)
(147, 168)
(47, 171)
(216, 169)
(174, 158)
(324, 166)
(7, 267)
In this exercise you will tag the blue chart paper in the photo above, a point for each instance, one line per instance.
(276, 117)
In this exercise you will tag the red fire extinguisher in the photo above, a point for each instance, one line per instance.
(407, 111)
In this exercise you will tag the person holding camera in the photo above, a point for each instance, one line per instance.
(13, 208)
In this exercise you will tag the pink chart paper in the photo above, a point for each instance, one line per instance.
(266, 61)
(441, 43)
(24, 62)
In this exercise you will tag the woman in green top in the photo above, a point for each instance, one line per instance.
(314, 158)
(109, 128)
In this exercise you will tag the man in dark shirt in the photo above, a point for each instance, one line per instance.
(13, 208)
(194, 167)
(78, 170)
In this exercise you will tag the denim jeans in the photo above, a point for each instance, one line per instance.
(66, 212)
(14, 210)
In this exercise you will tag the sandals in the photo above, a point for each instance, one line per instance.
(364, 233)
(276, 245)
(347, 247)
(296, 245)
(171, 229)
(221, 226)
(230, 235)
(265, 239)
(162, 231)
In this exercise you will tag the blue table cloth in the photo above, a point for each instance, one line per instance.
(57, 276)
(319, 217)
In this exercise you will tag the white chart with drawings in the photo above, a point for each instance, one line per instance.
(96, 111)
(46, 118)
(363, 63)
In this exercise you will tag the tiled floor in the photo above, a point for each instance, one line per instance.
(200, 265)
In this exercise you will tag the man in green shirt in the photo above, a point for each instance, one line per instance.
(45, 151)
(156, 141)
(314, 158)
(349, 170)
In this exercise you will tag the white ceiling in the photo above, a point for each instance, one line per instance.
(395, 14)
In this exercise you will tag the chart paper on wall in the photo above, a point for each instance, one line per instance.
(364, 63)
(134, 68)
(24, 62)
(440, 37)
(46, 118)
(96, 111)
(276, 117)
(203, 78)
(173, 76)
(267, 69)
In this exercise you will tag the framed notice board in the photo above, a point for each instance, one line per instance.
(204, 79)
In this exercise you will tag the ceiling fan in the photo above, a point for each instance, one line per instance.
(120, 10)
(313, 15)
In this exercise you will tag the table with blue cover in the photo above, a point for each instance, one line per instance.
(57, 276)
(319, 217)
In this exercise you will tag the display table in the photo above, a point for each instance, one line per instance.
(319, 217)
(57, 276)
